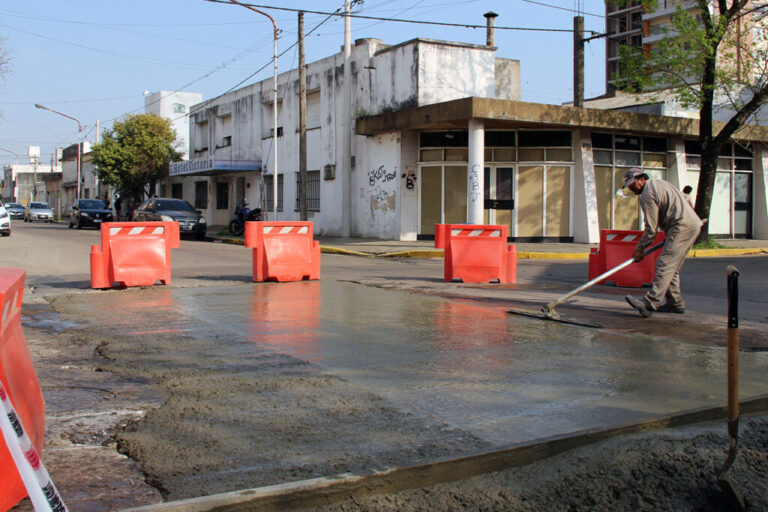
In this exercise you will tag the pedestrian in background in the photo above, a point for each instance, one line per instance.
(118, 203)
(687, 194)
(665, 209)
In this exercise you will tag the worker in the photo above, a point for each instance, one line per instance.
(665, 209)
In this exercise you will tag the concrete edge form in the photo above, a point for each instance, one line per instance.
(325, 490)
(337, 250)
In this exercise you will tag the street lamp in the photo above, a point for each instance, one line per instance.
(79, 140)
(274, 101)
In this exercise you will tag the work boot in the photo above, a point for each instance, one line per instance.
(641, 305)
(671, 308)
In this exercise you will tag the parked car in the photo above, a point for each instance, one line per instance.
(16, 210)
(38, 211)
(89, 213)
(191, 221)
(5, 221)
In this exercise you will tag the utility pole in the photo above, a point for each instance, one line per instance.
(346, 214)
(578, 61)
(34, 156)
(302, 124)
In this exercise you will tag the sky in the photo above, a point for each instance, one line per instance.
(93, 60)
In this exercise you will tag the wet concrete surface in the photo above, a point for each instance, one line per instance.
(275, 382)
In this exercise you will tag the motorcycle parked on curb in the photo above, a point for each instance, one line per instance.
(243, 214)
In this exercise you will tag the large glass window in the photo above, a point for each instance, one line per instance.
(613, 154)
(731, 207)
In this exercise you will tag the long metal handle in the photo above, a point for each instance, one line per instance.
(551, 306)
(733, 349)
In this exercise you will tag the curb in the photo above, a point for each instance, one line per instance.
(704, 253)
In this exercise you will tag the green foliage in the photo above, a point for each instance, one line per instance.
(136, 153)
(708, 243)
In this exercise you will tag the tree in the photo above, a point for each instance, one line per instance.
(135, 154)
(714, 59)
(5, 60)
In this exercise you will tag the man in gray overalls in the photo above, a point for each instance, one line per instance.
(665, 209)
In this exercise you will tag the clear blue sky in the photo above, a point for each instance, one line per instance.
(94, 59)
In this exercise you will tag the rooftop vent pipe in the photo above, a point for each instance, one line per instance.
(490, 18)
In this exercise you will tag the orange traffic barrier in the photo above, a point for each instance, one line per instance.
(283, 251)
(134, 254)
(616, 247)
(476, 253)
(20, 382)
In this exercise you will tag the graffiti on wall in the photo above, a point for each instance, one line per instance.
(380, 175)
(475, 188)
(382, 194)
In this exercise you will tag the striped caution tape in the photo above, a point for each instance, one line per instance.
(40, 488)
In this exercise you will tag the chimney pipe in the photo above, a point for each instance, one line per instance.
(490, 17)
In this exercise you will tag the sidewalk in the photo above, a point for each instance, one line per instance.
(373, 247)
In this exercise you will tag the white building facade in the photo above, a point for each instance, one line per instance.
(231, 140)
(437, 135)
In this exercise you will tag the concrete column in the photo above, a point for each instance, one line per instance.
(760, 193)
(586, 228)
(677, 172)
(475, 174)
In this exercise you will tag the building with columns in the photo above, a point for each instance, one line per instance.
(437, 134)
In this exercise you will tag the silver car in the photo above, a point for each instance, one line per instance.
(5, 221)
(35, 211)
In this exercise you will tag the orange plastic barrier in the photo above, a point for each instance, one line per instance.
(134, 254)
(19, 380)
(476, 253)
(616, 247)
(283, 251)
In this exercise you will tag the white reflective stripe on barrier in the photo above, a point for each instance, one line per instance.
(156, 230)
(11, 307)
(40, 488)
(476, 232)
(625, 238)
(287, 229)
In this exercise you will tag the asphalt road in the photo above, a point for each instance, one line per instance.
(57, 264)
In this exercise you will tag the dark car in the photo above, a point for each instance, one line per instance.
(89, 213)
(191, 221)
(15, 209)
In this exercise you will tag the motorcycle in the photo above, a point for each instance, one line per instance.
(243, 214)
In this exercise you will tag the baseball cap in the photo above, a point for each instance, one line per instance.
(631, 175)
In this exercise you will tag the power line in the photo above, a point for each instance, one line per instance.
(578, 11)
(398, 20)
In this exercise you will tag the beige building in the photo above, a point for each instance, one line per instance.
(551, 172)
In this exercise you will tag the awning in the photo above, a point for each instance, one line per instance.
(211, 167)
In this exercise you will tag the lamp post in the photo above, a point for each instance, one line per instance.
(79, 140)
(274, 103)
